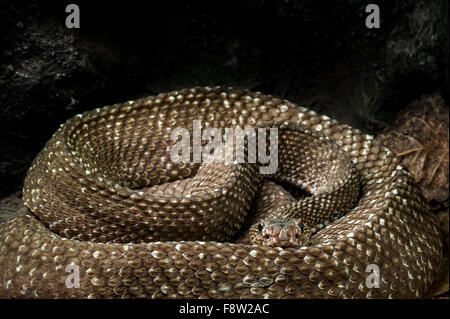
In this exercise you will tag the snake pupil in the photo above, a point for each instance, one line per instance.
(260, 227)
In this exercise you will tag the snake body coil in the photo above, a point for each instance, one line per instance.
(112, 216)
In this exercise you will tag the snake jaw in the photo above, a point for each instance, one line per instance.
(283, 233)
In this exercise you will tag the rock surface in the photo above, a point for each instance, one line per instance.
(10, 206)
(420, 137)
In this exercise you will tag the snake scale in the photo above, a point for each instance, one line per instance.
(104, 197)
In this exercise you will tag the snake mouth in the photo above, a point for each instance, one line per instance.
(275, 241)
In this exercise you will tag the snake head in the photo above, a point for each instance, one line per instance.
(282, 233)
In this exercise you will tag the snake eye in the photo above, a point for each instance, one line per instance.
(301, 226)
(260, 227)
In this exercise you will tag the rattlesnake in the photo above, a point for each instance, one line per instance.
(110, 215)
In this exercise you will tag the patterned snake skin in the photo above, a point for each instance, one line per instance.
(111, 212)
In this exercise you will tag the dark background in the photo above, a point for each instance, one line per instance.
(315, 53)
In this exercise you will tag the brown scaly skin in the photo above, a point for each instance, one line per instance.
(102, 193)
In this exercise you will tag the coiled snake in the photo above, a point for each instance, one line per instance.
(112, 216)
